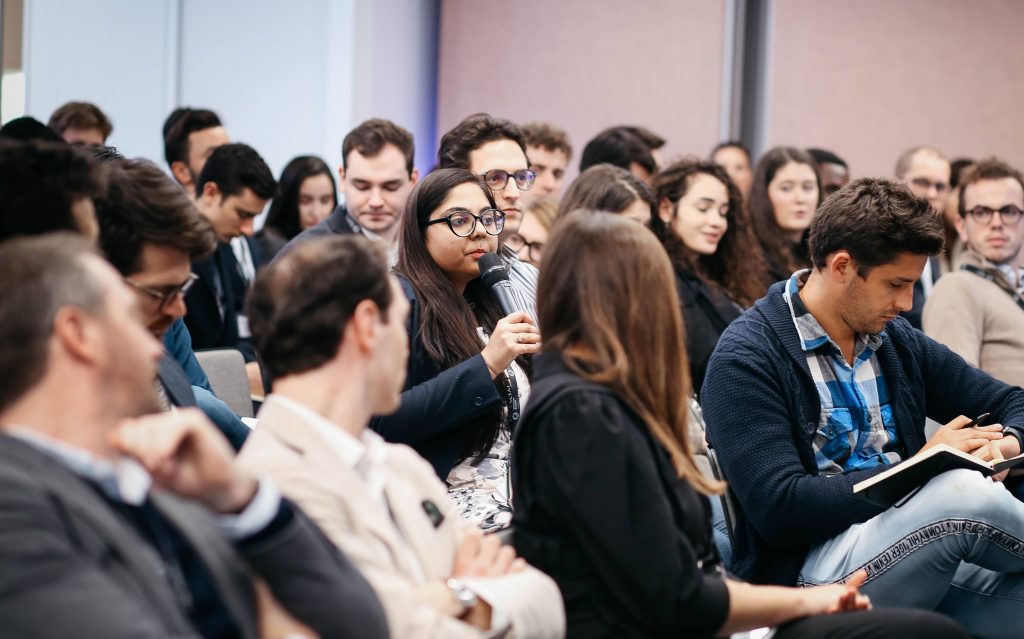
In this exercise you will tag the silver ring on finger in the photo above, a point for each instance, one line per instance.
(519, 338)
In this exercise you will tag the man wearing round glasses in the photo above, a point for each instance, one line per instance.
(495, 149)
(978, 311)
(150, 232)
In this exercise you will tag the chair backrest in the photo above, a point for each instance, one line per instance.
(728, 498)
(226, 370)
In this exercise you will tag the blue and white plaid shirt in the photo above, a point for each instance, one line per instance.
(855, 428)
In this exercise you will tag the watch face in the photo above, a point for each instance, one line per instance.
(466, 597)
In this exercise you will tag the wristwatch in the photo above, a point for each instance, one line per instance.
(466, 597)
(1013, 432)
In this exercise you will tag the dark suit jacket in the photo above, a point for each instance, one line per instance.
(437, 403)
(337, 223)
(600, 508)
(914, 315)
(70, 566)
(270, 242)
(207, 326)
(706, 313)
(176, 383)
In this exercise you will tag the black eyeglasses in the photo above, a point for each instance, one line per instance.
(1009, 214)
(167, 294)
(462, 222)
(496, 179)
(534, 250)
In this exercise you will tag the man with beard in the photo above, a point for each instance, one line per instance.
(978, 311)
(822, 385)
(495, 149)
(150, 231)
(87, 548)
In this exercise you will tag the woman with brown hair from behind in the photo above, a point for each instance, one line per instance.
(609, 501)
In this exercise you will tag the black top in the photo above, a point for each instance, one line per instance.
(599, 507)
(437, 403)
(707, 311)
(916, 312)
(217, 299)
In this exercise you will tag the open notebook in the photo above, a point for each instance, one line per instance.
(885, 489)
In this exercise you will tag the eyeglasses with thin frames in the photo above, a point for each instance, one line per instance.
(497, 179)
(1009, 214)
(534, 250)
(165, 296)
(462, 222)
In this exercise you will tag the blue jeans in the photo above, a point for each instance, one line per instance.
(720, 531)
(957, 547)
(222, 417)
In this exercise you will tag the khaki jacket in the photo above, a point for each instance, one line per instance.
(302, 463)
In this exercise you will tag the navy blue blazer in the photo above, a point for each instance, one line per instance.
(207, 326)
(762, 411)
(337, 223)
(914, 314)
(437, 403)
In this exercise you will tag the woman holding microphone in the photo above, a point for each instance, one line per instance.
(467, 376)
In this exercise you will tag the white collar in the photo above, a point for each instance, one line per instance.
(123, 480)
(364, 454)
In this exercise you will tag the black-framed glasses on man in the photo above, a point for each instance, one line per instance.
(496, 179)
(167, 293)
(1009, 214)
(534, 250)
(462, 222)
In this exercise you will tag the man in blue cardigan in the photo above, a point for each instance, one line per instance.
(821, 385)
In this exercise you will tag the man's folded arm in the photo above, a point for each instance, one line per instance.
(313, 580)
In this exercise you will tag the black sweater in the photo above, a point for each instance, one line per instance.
(599, 507)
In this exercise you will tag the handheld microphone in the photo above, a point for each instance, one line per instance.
(495, 275)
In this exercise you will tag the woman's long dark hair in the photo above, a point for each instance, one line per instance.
(283, 216)
(737, 266)
(449, 321)
(779, 250)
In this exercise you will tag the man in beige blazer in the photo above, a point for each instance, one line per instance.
(330, 325)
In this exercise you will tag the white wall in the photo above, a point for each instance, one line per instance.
(75, 51)
(288, 77)
(396, 70)
(267, 68)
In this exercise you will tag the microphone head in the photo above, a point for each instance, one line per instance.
(492, 269)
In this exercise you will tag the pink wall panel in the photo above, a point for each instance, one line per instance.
(585, 65)
(870, 78)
